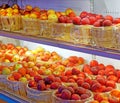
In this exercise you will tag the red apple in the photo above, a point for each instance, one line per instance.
(85, 21)
(83, 14)
(62, 19)
(107, 23)
(76, 20)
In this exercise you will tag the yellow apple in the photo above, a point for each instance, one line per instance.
(53, 17)
(33, 15)
(51, 11)
(68, 10)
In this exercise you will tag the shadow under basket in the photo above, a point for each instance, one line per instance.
(31, 26)
(39, 96)
(104, 37)
(11, 23)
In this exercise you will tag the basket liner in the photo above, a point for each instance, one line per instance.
(31, 26)
(42, 96)
(61, 31)
(104, 36)
(81, 34)
(11, 23)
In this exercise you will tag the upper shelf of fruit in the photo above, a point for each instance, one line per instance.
(65, 29)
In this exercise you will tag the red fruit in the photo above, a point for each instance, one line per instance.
(101, 81)
(71, 90)
(94, 70)
(51, 77)
(40, 72)
(57, 79)
(32, 83)
(10, 46)
(69, 20)
(98, 97)
(76, 20)
(86, 69)
(85, 85)
(80, 81)
(118, 73)
(64, 78)
(68, 73)
(92, 20)
(62, 19)
(83, 14)
(110, 84)
(84, 96)
(37, 78)
(96, 87)
(54, 85)
(41, 85)
(85, 21)
(82, 74)
(107, 89)
(97, 24)
(17, 76)
(73, 59)
(98, 16)
(75, 97)
(60, 88)
(94, 81)
(107, 23)
(88, 80)
(80, 90)
(101, 66)
(110, 67)
(75, 71)
(65, 94)
(101, 72)
(109, 17)
(116, 20)
(93, 63)
(71, 80)
(112, 77)
(58, 95)
(113, 100)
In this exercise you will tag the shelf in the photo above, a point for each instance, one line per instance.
(81, 48)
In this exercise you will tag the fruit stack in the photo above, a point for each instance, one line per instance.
(104, 31)
(71, 94)
(30, 20)
(11, 19)
(40, 89)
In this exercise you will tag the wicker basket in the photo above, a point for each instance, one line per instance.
(80, 34)
(11, 23)
(39, 96)
(61, 31)
(59, 100)
(117, 36)
(47, 26)
(31, 26)
(16, 87)
(104, 37)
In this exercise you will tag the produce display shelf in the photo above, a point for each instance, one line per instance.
(111, 53)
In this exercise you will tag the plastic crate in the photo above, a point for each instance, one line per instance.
(31, 26)
(80, 34)
(61, 31)
(104, 37)
(11, 23)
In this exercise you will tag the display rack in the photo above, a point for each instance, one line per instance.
(115, 54)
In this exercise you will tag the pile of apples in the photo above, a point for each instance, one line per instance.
(86, 18)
